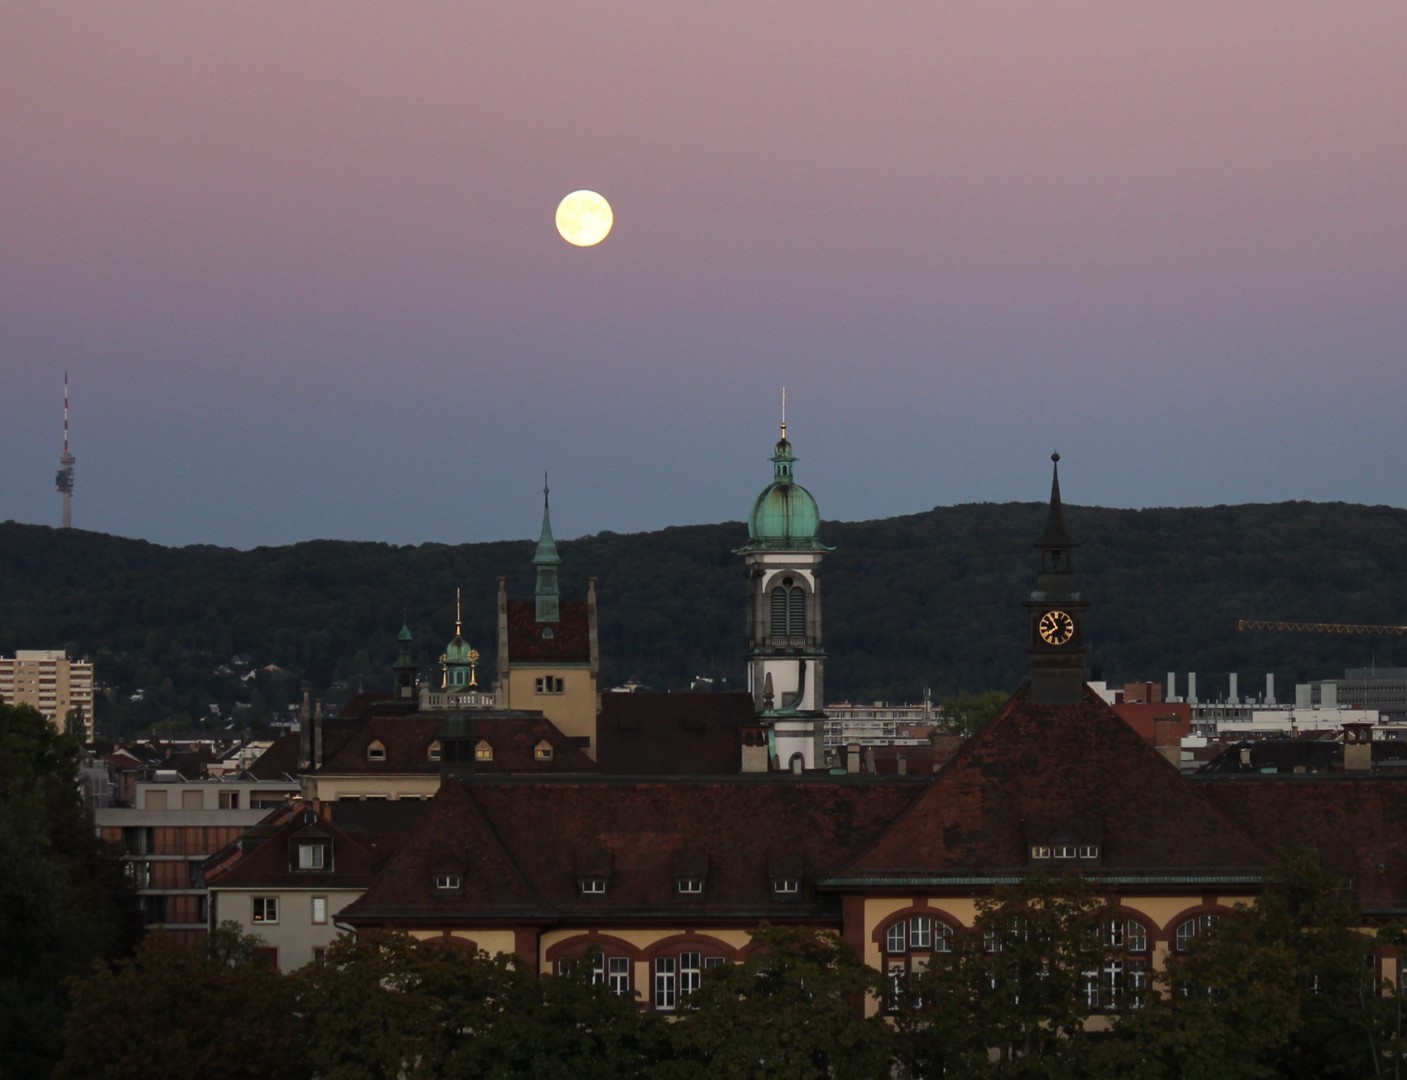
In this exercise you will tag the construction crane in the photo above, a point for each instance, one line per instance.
(1320, 627)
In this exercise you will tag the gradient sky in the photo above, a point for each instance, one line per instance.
(299, 259)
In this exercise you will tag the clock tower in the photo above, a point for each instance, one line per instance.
(1056, 607)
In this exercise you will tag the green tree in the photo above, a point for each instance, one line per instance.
(1284, 988)
(966, 714)
(62, 902)
(792, 1010)
(1011, 996)
(177, 1010)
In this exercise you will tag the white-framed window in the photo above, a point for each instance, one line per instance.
(593, 886)
(444, 880)
(664, 982)
(896, 938)
(1063, 851)
(1190, 928)
(265, 909)
(319, 953)
(319, 910)
(549, 684)
(229, 800)
(690, 972)
(920, 932)
(711, 962)
(691, 886)
(312, 856)
(376, 752)
(1089, 851)
(618, 975)
(786, 886)
(1040, 851)
(433, 751)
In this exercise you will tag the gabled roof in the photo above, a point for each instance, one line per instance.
(1074, 772)
(570, 640)
(1358, 824)
(691, 734)
(270, 865)
(280, 760)
(525, 844)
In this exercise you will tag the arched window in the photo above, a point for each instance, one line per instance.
(788, 613)
(1190, 928)
(1117, 976)
(911, 941)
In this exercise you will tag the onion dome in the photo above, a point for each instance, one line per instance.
(784, 515)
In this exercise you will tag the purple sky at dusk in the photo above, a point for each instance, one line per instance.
(299, 259)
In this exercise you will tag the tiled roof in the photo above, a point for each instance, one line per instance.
(514, 737)
(280, 760)
(570, 640)
(522, 844)
(270, 865)
(1039, 773)
(1358, 824)
(672, 734)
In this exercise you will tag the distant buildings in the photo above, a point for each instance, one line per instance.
(60, 688)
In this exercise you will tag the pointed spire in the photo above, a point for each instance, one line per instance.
(546, 560)
(1055, 535)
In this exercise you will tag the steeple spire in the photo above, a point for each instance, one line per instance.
(1055, 535)
(1056, 607)
(546, 560)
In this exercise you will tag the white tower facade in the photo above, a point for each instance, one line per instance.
(785, 646)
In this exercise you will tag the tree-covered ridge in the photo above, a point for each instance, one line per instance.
(925, 600)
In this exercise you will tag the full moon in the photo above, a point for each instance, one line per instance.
(584, 218)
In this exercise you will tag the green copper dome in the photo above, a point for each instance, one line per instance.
(785, 514)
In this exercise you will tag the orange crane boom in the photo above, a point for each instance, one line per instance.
(1320, 627)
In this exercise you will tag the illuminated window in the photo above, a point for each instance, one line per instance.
(266, 909)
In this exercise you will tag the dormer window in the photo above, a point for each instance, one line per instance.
(1089, 851)
(483, 751)
(446, 881)
(690, 886)
(312, 856)
(542, 751)
(785, 886)
(1040, 851)
(1063, 851)
(433, 753)
(593, 886)
(376, 751)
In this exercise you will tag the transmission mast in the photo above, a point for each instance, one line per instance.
(64, 480)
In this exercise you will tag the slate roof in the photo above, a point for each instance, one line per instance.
(1358, 824)
(1041, 773)
(522, 844)
(570, 642)
(645, 734)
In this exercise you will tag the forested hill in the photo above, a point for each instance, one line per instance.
(930, 599)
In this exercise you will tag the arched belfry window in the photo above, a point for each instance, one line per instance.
(788, 613)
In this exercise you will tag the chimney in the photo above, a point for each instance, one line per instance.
(1234, 697)
(1192, 688)
(1165, 738)
(1358, 747)
(1270, 689)
(1171, 695)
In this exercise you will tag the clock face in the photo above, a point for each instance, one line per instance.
(1056, 628)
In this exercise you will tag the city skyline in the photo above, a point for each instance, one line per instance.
(300, 263)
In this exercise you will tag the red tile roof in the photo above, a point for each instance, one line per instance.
(1039, 773)
(271, 864)
(522, 844)
(406, 741)
(672, 734)
(1358, 824)
(569, 642)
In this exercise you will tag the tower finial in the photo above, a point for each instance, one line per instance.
(784, 414)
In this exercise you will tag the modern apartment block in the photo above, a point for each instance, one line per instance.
(52, 683)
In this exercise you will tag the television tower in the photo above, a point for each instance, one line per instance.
(64, 479)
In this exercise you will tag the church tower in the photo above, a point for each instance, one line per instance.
(785, 652)
(548, 652)
(1057, 642)
(459, 660)
(407, 671)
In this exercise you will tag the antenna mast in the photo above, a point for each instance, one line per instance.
(64, 480)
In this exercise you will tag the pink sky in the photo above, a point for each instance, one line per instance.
(299, 259)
